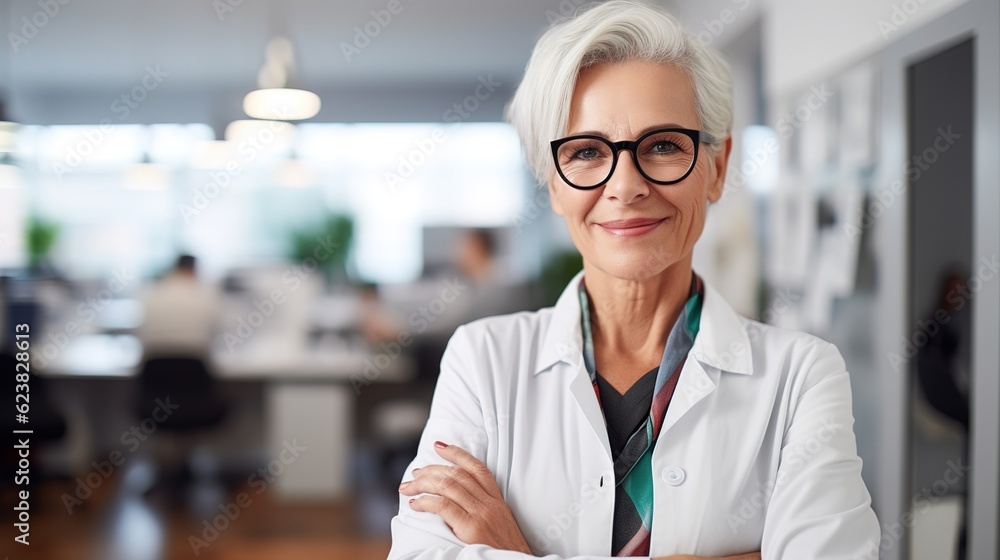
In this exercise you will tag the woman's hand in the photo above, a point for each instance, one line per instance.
(467, 498)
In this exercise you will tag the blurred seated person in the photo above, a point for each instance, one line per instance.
(375, 322)
(479, 288)
(477, 291)
(181, 314)
(942, 362)
(474, 257)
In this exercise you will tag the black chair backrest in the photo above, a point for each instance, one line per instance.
(175, 376)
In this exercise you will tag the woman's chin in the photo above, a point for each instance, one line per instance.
(635, 267)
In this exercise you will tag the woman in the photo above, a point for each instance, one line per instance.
(640, 416)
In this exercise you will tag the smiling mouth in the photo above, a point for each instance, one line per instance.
(632, 228)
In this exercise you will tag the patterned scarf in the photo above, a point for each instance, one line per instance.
(633, 519)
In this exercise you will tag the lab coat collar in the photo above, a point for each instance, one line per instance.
(722, 340)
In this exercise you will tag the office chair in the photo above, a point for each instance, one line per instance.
(182, 398)
(180, 395)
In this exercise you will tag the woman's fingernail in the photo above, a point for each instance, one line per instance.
(404, 485)
(413, 500)
(440, 444)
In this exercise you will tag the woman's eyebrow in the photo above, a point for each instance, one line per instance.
(641, 132)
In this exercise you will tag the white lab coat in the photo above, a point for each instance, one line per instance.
(756, 452)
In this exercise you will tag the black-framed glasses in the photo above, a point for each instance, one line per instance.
(663, 156)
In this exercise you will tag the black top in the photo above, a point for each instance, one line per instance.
(623, 414)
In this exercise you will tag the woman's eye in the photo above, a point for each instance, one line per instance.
(663, 148)
(586, 153)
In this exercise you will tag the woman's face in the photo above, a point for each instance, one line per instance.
(620, 102)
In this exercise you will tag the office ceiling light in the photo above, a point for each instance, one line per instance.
(261, 131)
(281, 104)
(274, 99)
(146, 175)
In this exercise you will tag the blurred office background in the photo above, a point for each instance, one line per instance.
(236, 313)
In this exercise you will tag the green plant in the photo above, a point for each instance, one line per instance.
(40, 236)
(327, 243)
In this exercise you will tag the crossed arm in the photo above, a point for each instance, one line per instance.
(820, 507)
(467, 498)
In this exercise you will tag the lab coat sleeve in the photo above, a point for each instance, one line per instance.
(820, 508)
(457, 417)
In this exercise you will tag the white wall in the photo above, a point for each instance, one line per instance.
(805, 40)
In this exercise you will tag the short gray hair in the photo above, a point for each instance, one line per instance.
(615, 31)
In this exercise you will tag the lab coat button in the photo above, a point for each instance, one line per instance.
(674, 476)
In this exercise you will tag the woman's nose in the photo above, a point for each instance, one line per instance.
(626, 184)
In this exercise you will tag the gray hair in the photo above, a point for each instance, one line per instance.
(614, 31)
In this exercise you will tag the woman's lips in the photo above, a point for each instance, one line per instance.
(633, 227)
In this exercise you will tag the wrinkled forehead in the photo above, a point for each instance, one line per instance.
(621, 100)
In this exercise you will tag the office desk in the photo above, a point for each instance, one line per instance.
(308, 395)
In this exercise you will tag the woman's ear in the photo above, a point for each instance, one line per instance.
(554, 201)
(720, 162)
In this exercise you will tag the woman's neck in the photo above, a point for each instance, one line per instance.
(634, 317)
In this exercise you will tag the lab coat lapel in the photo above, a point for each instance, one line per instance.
(722, 344)
(561, 352)
(583, 392)
(694, 384)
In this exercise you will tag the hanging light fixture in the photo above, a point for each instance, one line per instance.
(147, 175)
(293, 174)
(273, 99)
(265, 131)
